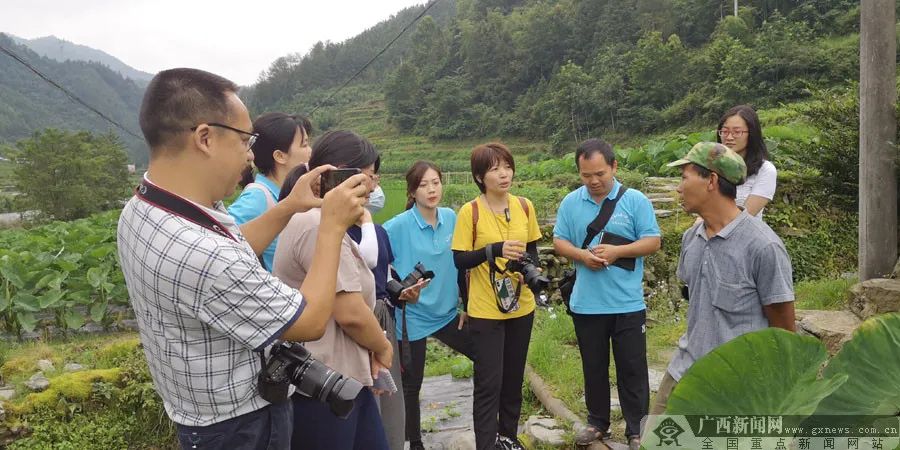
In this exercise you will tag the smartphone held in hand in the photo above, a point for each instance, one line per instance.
(334, 177)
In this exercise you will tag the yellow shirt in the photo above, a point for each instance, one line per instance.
(491, 228)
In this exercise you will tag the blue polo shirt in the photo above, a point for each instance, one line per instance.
(252, 204)
(413, 240)
(612, 290)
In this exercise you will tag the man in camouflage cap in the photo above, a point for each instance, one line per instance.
(737, 271)
(717, 158)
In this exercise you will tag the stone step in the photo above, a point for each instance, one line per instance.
(663, 212)
(662, 180)
(662, 200)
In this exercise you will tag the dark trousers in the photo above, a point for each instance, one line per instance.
(501, 347)
(316, 428)
(451, 336)
(629, 345)
(268, 428)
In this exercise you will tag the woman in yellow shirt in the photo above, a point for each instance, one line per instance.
(491, 231)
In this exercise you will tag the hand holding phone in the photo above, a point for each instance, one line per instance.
(334, 177)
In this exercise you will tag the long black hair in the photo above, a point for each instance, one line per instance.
(756, 152)
(339, 148)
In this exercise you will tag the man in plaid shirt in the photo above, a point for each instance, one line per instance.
(206, 308)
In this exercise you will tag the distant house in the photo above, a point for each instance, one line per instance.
(131, 168)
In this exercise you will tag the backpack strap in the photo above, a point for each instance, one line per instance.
(524, 204)
(474, 204)
(270, 200)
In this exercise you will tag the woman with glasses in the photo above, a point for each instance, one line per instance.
(282, 144)
(422, 234)
(492, 231)
(739, 129)
(354, 344)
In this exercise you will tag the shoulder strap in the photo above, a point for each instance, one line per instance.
(524, 204)
(599, 223)
(270, 201)
(474, 204)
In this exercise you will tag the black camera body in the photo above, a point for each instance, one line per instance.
(531, 271)
(291, 363)
(394, 287)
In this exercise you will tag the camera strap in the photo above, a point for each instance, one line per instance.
(174, 204)
(494, 270)
(599, 223)
(180, 207)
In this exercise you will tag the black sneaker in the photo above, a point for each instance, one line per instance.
(508, 443)
(417, 445)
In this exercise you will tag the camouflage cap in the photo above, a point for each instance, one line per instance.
(717, 158)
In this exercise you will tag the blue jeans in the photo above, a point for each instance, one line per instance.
(268, 428)
(317, 428)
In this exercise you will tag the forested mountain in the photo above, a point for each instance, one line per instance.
(29, 104)
(565, 69)
(61, 50)
(299, 80)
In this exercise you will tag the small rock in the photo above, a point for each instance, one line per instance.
(91, 327)
(833, 328)
(656, 377)
(662, 212)
(2, 413)
(875, 296)
(73, 367)
(38, 382)
(545, 430)
(462, 441)
(7, 393)
(896, 272)
(128, 325)
(45, 365)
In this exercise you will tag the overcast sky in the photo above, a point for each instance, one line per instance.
(235, 39)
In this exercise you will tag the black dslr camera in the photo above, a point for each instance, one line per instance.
(530, 270)
(291, 363)
(395, 287)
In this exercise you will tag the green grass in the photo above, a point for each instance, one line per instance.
(394, 201)
(823, 294)
(554, 355)
(441, 360)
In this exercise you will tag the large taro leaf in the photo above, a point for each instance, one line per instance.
(872, 362)
(73, 319)
(27, 321)
(771, 371)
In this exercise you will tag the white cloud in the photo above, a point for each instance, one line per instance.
(235, 39)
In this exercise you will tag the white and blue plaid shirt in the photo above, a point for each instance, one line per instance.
(205, 307)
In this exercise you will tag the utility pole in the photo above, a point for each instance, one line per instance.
(877, 136)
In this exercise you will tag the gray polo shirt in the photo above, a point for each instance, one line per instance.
(730, 277)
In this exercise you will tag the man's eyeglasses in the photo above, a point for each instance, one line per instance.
(736, 133)
(248, 144)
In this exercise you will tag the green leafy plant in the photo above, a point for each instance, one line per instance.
(860, 380)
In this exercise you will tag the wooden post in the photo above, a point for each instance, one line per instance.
(877, 135)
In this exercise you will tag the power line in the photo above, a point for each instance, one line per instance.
(427, 7)
(72, 96)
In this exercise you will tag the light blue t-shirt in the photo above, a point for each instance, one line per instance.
(612, 290)
(413, 240)
(252, 204)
